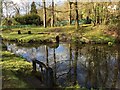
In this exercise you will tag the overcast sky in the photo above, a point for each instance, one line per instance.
(19, 3)
(62, 1)
(56, 1)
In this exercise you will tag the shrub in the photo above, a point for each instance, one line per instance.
(31, 19)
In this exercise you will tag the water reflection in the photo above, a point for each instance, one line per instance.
(91, 66)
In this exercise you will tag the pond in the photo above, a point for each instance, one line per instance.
(91, 66)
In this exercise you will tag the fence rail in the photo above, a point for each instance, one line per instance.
(47, 73)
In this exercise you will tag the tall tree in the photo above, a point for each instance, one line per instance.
(8, 8)
(33, 8)
(94, 8)
(52, 12)
(98, 14)
(70, 8)
(77, 16)
(1, 11)
(44, 13)
(118, 22)
(16, 9)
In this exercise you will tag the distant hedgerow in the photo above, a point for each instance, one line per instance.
(31, 19)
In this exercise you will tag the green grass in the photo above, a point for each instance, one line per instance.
(86, 33)
(14, 70)
(96, 34)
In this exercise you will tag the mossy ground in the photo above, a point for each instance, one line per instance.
(17, 72)
(86, 33)
(11, 66)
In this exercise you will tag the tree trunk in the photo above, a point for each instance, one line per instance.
(118, 23)
(77, 17)
(98, 14)
(0, 11)
(70, 21)
(106, 15)
(102, 13)
(95, 14)
(44, 14)
(52, 17)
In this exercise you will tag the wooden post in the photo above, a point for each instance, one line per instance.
(34, 65)
(57, 39)
(19, 32)
(29, 32)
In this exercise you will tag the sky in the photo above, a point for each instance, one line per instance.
(19, 3)
(62, 1)
(48, 2)
(56, 1)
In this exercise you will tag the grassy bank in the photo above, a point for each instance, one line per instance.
(11, 66)
(16, 72)
(86, 34)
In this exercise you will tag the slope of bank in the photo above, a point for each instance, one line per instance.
(100, 34)
(17, 72)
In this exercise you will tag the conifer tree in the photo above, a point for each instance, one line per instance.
(33, 8)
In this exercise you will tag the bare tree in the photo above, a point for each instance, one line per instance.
(44, 13)
(77, 17)
(70, 8)
(25, 5)
(8, 8)
(52, 17)
(16, 9)
(1, 12)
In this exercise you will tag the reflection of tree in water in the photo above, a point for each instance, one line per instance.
(55, 69)
(75, 64)
(118, 57)
(99, 68)
(101, 71)
(98, 65)
(93, 67)
(116, 69)
(70, 64)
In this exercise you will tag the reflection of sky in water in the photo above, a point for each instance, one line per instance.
(107, 66)
(62, 53)
(40, 52)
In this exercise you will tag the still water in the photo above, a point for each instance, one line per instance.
(91, 66)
